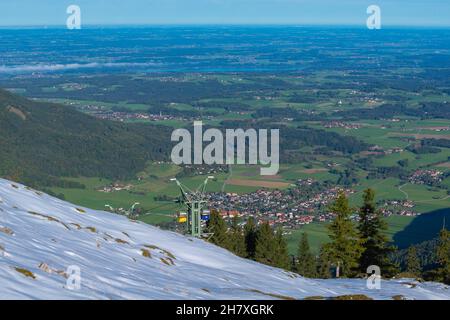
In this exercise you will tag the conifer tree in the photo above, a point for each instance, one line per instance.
(413, 262)
(443, 255)
(237, 243)
(218, 228)
(250, 232)
(345, 247)
(376, 247)
(265, 245)
(306, 264)
(323, 265)
(281, 253)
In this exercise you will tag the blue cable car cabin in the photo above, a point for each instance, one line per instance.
(205, 215)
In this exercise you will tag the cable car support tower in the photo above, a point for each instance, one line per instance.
(196, 204)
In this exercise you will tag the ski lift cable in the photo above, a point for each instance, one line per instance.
(160, 206)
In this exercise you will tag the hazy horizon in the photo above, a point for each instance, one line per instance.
(433, 13)
(144, 25)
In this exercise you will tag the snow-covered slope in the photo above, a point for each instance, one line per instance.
(40, 237)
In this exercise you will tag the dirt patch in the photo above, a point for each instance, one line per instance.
(444, 165)
(257, 183)
(7, 231)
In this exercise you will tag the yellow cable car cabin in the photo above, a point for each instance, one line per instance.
(182, 217)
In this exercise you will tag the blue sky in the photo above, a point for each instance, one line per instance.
(394, 12)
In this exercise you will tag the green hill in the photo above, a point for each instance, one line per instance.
(40, 142)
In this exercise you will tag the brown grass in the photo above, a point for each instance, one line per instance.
(257, 183)
(121, 241)
(167, 261)
(92, 229)
(76, 225)
(312, 171)
(314, 298)
(273, 295)
(167, 253)
(25, 272)
(49, 218)
(146, 253)
(274, 177)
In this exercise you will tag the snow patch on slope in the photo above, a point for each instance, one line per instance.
(41, 236)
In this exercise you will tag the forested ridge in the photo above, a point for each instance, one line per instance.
(40, 142)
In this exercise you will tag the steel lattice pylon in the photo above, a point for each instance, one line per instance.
(195, 202)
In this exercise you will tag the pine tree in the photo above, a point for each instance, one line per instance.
(323, 265)
(306, 265)
(413, 262)
(281, 254)
(443, 255)
(237, 239)
(218, 228)
(376, 247)
(345, 247)
(250, 232)
(265, 245)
